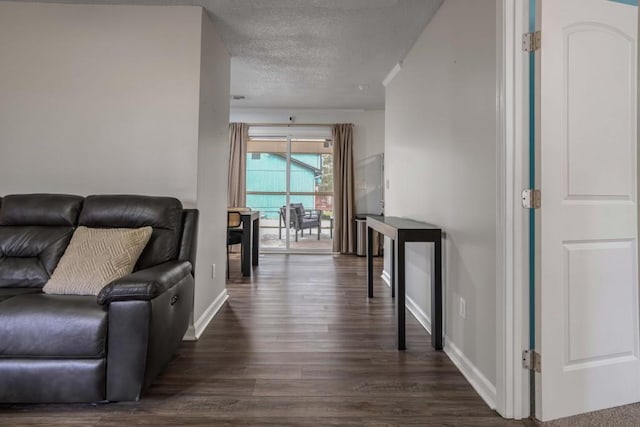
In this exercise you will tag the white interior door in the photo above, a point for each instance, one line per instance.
(588, 285)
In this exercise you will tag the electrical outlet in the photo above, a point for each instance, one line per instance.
(463, 308)
(213, 271)
(387, 184)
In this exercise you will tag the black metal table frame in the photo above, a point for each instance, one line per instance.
(250, 240)
(402, 231)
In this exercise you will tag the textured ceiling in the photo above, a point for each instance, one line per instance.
(310, 53)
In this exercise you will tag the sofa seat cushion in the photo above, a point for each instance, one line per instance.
(61, 326)
(6, 293)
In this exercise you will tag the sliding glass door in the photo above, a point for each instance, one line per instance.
(290, 181)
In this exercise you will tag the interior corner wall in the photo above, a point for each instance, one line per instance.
(441, 163)
(99, 99)
(368, 134)
(213, 164)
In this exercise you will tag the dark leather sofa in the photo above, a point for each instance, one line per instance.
(70, 348)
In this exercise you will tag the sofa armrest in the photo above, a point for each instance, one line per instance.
(145, 284)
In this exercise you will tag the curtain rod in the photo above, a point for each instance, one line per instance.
(290, 124)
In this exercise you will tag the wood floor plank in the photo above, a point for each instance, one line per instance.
(297, 344)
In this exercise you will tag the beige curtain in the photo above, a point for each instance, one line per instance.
(237, 191)
(343, 194)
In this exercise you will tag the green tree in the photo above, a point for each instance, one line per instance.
(326, 180)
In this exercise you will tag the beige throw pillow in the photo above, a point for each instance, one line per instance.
(95, 257)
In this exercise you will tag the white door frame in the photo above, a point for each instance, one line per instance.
(512, 292)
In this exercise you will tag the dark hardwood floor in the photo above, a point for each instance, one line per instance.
(297, 344)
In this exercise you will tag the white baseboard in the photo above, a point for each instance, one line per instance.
(418, 313)
(195, 331)
(478, 381)
(190, 335)
(411, 305)
(386, 278)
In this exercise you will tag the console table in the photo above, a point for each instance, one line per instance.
(401, 231)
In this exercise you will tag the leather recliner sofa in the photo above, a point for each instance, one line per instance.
(73, 348)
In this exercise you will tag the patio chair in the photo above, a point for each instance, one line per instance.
(300, 219)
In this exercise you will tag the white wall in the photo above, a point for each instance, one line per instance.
(213, 161)
(111, 99)
(440, 152)
(99, 99)
(368, 130)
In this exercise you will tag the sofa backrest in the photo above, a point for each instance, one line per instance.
(35, 230)
(163, 214)
(189, 240)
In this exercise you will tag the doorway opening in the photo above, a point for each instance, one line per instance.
(290, 181)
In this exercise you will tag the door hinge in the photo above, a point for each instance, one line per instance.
(531, 199)
(531, 41)
(531, 360)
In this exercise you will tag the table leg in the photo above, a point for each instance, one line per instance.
(370, 261)
(400, 295)
(246, 245)
(393, 269)
(436, 296)
(255, 245)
